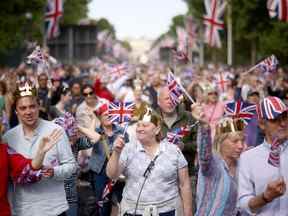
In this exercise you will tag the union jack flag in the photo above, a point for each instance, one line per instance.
(279, 9)
(118, 70)
(268, 65)
(175, 91)
(36, 57)
(107, 190)
(212, 21)
(180, 55)
(182, 39)
(274, 156)
(191, 29)
(54, 11)
(222, 81)
(121, 112)
(240, 109)
(177, 134)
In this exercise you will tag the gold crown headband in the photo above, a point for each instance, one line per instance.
(148, 115)
(24, 90)
(228, 125)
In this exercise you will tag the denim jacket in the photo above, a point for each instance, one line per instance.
(98, 157)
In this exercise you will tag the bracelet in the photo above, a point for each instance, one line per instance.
(265, 199)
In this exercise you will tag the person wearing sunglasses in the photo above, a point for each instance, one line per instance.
(85, 115)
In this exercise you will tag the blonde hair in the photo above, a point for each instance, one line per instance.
(220, 138)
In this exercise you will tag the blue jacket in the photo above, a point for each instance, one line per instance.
(98, 157)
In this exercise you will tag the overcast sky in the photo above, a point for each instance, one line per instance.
(137, 18)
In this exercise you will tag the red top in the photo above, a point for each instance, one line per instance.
(11, 164)
(101, 91)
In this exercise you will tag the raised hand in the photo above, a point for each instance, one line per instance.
(49, 141)
(90, 131)
(197, 112)
(119, 144)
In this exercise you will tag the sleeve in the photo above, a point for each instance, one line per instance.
(67, 164)
(182, 162)
(123, 161)
(82, 118)
(20, 168)
(205, 150)
(83, 143)
(245, 185)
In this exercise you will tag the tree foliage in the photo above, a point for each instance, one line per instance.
(74, 10)
(255, 35)
(24, 20)
(104, 24)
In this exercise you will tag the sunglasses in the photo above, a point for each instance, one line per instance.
(87, 94)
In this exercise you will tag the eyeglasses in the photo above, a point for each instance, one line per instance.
(87, 94)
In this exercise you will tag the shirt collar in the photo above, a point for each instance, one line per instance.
(162, 147)
(36, 130)
(267, 145)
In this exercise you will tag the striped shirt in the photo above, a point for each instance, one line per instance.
(216, 189)
(70, 183)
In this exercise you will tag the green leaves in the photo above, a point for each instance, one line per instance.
(253, 31)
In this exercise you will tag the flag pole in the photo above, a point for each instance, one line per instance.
(229, 34)
(183, 89)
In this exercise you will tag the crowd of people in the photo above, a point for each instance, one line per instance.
(210, 156)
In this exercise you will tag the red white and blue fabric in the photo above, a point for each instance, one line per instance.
(36, 57)
(180, 56)
(274, 155)
(53, 13)
(28, 174)
(279, 9)
(175, 91)
(68, 123)
(182, 39)
(268, 65)
(107, 190)
(191, 29)
(270, 108)
(121, 112)
(118, 70)
(240, 109)
(212, 21)
(221, 81)
(175, 136)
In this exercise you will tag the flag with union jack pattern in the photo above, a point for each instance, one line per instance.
(274, 155)
(121, 111)
(268, 65)
(240, 109)
(212, 21)
(107, 190)
(175, 136)
(279, 9)
(53, 13)
(36, 57)
(175, 91)
(270, 108)
(118, 70)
